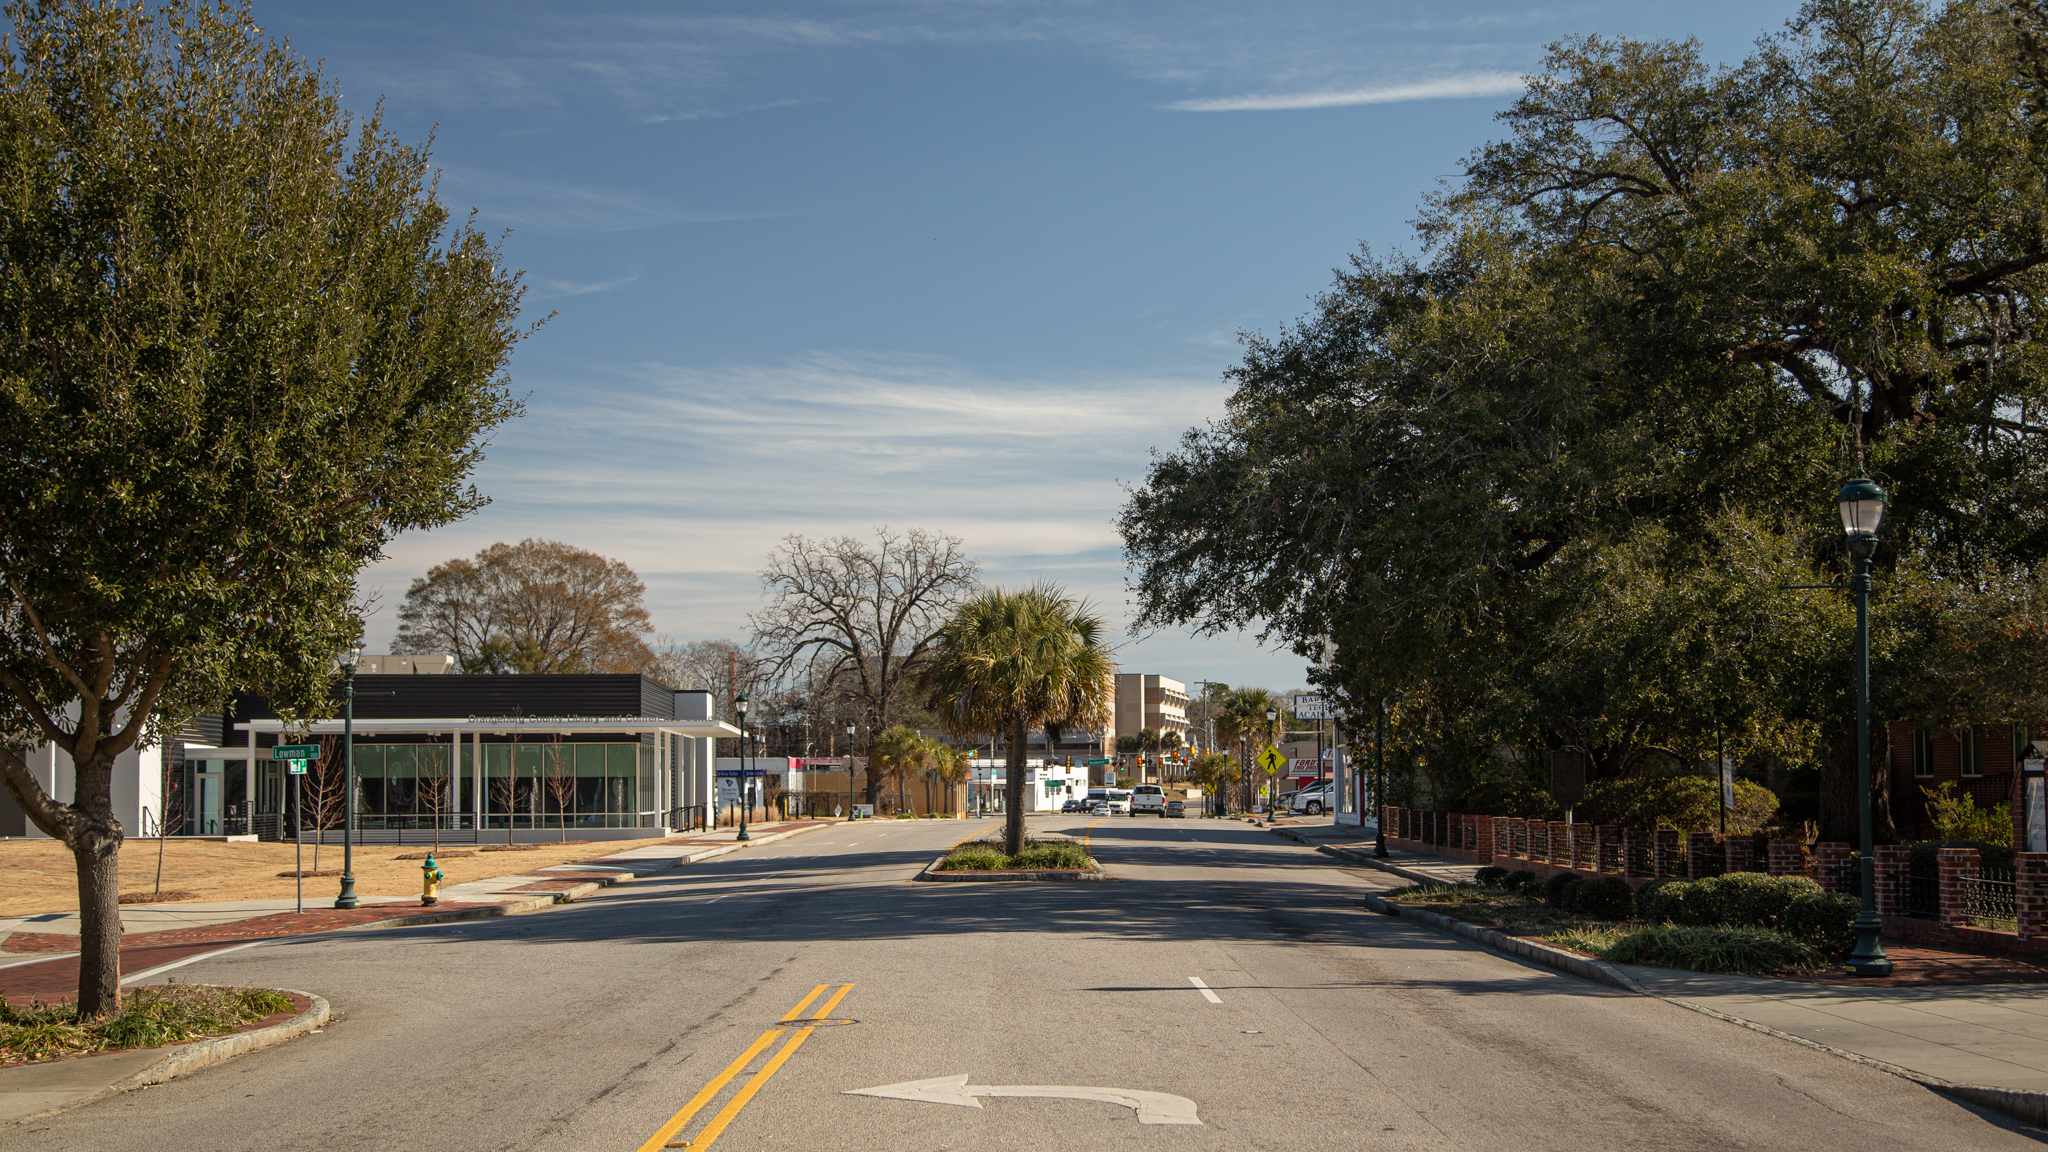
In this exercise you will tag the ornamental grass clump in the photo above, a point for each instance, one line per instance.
(148, 1017)
(1038, 856)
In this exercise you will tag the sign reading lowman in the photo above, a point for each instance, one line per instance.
(295, 752)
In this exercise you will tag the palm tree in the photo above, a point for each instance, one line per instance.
(1242, 712)
(1013, 661)
(948, 765)
(896, 753)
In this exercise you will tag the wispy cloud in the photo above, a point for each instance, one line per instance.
(692, 475)
(560, 207)
(558, 289)
(1449, 87)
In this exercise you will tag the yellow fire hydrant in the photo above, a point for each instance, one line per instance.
(430, 876)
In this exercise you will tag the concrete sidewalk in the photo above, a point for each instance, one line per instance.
(1992, 1036)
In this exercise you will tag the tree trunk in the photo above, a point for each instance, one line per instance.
(95, 846)
(1840, 812)
(1013, 790)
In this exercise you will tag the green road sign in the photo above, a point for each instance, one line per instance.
(1272, 761)
(298, 767)
(295, 752)
(1097, 763)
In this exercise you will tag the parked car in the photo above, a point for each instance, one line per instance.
(1315, 799)
(1175, 808)
(1148, 799)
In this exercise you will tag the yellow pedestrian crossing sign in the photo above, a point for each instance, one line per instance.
(1272, 761)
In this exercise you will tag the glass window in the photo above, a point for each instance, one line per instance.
(1972, 741)
(1923, 752)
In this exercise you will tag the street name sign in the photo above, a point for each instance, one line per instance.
(1097, 763)
(295, 752)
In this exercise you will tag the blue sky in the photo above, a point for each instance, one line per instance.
(821, 267)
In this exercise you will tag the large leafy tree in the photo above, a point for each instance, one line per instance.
(1543, 485)
(538, 606)
(1012, 661)
(240, 349)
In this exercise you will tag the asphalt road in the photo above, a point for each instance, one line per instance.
(595, 1025)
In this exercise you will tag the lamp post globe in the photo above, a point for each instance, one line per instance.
(739, 703)
(1862, 505)
(346, 898)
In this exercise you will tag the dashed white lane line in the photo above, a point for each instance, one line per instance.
(1211, 997)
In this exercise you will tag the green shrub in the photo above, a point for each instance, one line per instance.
(1557, 891)
(1490, 876)
(1746, 899)
(1824, 919)
(1520, 880)
(1989, 855)
(1604, 898)
(1956, 816)
(1653, 904)
(1739, 950)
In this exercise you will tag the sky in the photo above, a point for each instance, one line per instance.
(818, 268)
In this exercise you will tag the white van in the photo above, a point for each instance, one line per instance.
(1148, 798)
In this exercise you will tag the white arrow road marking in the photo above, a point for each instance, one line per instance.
(1152, 1107)
(1208, 995)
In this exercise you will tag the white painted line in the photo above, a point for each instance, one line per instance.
(150, 973)
(1211, 997)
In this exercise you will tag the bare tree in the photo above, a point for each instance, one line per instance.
(322, 800)
(862, 615)
(535, 606)
(725, 668)
(171, 802)
(561, 778)
(436, 779)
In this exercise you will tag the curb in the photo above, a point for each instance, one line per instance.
(2027, 1107)
(1584, 967)
(931, 874)
(188, 1058)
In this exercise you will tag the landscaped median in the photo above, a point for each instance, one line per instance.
(1737, 923)
(1041, 860)
(149, 1018)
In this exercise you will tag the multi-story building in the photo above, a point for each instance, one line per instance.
(1156, 702)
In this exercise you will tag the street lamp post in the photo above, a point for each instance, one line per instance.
(1379, 785)
(1862, 505)
(1273, 791)
(746, 757)
(347, 897)
(851, 728)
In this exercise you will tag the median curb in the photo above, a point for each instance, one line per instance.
(932, 874)
(185, 1059)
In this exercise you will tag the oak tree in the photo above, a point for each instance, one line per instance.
(241, 348)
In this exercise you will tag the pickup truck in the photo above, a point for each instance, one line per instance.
(1148, 799)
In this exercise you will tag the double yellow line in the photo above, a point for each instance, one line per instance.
(706, 1094)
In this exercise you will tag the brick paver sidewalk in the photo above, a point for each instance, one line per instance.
(55, 980)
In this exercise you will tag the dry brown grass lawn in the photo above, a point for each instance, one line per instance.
(36, 875)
